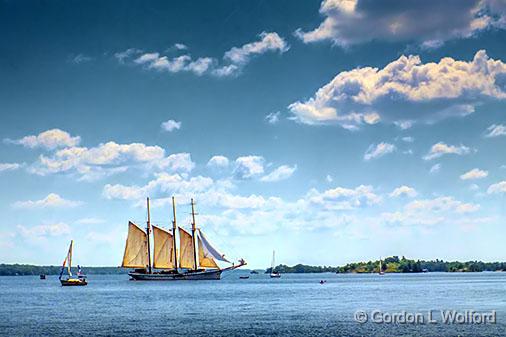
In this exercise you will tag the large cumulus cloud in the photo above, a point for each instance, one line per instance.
(430, 22)
(404, 92)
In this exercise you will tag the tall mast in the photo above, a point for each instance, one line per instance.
(148, 231)
(193, 237)
(174, 226)
(70, 256)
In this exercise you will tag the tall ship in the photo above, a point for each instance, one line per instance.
(196, 258)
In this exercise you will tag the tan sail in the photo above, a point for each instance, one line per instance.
(163, 249)
(205, 259)
(185, 249)
(136, 249)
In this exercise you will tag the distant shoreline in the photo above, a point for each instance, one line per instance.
(392, 264)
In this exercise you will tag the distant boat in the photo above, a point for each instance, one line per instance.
(380, 271)
(70, 280)
(169, 263)
(245, 277)
(253, 272)
(274, 273)
(42, 276)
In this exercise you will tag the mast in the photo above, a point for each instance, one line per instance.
(273, 261)
(193, 236)
(148, 230)
(70, 257)
(174, 226)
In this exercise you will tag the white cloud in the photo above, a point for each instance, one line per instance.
(171, 125)
(408, 139)
(435, 168)
(109, 158)
(403, 124)
(9, 166)
(233, 60)
(441, 204)
(474, 174)
(496, 130)
(474, 187)
(248, 167)
(81, 58)
(50, 139)
(403, 190)
(281, 173)
(429, 212)
(497, 188)
(440, 149)
(52, 200)
(378, 150)
(146, 58)
(341, 198)
(273, 117)
(126, 54)
(164, 184)
(180, 46)
(349, 22)
(177, 162)
(407, 85)
(329, 178)
(57, 229)
(218, 161)
(268, 42)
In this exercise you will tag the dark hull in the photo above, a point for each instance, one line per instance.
(67, 283)
(197, 275)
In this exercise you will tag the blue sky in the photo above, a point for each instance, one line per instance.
(331, 131)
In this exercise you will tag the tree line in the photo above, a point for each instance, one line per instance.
(394, 264)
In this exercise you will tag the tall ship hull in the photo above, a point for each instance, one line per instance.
(194, 259)
(202, 275)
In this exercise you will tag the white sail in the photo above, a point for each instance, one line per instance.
(209, 250)
(205, 259)
(69, 257)
(273, 264)
(136, 248)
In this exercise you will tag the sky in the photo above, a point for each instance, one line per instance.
(333, 132)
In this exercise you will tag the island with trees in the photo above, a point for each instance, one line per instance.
(394, 264)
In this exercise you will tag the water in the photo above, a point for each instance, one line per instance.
(294, 305)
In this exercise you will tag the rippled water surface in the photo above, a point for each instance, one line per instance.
(294, 305)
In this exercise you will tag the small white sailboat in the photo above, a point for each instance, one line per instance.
(274, 273)
(380, 271)
(70, 280)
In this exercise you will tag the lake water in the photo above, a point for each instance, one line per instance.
(294, 305)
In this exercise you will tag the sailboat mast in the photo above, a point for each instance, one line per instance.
(193, 236)
(70, 257)
(148, 230)
(174, 226)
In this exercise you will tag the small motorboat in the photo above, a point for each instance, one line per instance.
(253, 272)
(42, 276)
(70, 280)
(244, 277)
